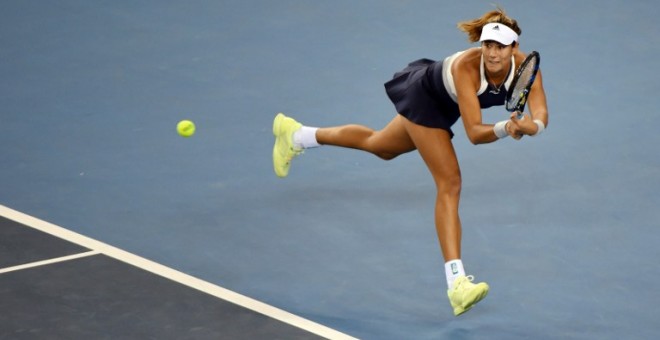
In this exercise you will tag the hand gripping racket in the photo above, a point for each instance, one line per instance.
(516, 97)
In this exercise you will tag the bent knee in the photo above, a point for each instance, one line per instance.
(386, 156)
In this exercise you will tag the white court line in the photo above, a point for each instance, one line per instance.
(174, 275)
(47, 262)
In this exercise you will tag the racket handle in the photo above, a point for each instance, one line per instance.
(519, 115)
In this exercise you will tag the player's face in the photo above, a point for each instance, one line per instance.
(497, 57)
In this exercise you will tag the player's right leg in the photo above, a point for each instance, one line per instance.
(388, 143)
(284, 149)
(292, 137)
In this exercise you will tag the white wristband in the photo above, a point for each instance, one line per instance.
(500, 129)
(540, 125)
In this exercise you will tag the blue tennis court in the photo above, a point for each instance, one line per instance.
(90, 96)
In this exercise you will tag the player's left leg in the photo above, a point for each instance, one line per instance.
(437, 150)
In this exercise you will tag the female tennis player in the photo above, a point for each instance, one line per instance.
(429, 97)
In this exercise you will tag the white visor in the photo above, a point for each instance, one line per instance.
(501, 33)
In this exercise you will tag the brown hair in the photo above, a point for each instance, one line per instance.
(473, 27)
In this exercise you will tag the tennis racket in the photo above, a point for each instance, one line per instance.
(516, 97)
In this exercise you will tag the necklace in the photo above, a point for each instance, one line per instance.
(496, 89)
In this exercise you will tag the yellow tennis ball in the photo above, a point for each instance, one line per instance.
(185, 128)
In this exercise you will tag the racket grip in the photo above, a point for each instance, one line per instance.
(519, 114)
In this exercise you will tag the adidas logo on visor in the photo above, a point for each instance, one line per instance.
(498, 32)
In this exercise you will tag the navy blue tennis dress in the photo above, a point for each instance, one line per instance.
(425, 94)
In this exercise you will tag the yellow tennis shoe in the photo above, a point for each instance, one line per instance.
(464, 294)
(284, 150)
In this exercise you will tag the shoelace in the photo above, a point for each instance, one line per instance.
(468, 278)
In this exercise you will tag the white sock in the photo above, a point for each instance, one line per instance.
(305, 138)
(453, 269)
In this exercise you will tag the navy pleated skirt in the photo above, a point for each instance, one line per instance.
(418, 94)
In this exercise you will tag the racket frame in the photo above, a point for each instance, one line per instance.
(522, 100)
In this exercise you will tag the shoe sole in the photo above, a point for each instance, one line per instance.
(277, 123)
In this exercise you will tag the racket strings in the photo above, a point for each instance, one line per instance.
(519, 88)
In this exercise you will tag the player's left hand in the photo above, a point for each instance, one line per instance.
(513, 129)
(526, 125)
